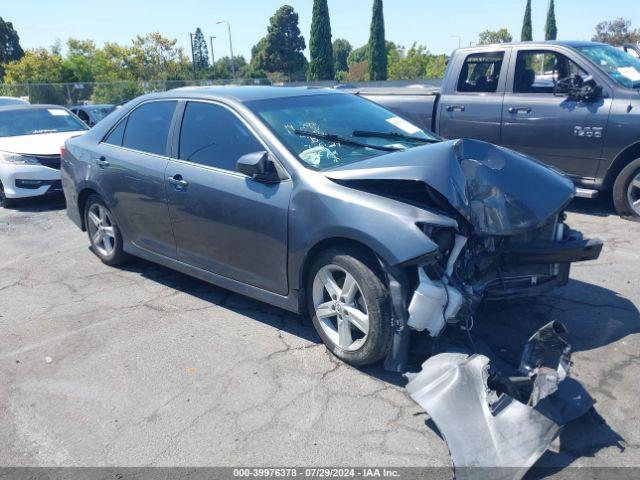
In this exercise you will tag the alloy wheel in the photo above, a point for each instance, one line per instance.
(633, 194)
(101, 230)
(340, 307)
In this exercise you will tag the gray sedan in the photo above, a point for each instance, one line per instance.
(320, 201)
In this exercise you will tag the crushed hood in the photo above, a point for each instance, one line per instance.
(499, 191)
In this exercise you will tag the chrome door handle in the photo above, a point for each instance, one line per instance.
(102, 162)
(178, 182)
(519, 110)
(455, 108)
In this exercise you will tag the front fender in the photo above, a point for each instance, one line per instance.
(386, 226)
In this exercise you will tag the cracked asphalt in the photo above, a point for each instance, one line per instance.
(143, 366)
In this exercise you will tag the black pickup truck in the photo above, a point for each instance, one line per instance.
(573, 105)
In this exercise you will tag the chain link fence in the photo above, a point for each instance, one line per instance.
(117, 92)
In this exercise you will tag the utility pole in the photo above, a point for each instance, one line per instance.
(459, 39)
(213, 60)
(193, 58)
(233, 63)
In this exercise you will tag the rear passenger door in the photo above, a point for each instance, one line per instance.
(550, 128)
(224, 221)
(130, 169)
(471, 103)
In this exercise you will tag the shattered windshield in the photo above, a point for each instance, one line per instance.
(619, 65)
(326, 131)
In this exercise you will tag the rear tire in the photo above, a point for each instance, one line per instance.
(626, 191)
(103, 231)
(355, 322)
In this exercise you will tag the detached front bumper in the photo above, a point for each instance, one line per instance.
(22, 181)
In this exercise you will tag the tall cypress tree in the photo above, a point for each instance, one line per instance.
(527, 31)
(200, 50)
(10, 48)
(550, 29)
(377, 49)
(321, 64)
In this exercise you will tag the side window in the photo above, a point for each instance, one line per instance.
(481, 72)
(148, 127)
(116, 135)
(213, 136)
(539, 71)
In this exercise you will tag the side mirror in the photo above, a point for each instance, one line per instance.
(577, 88)
(258, 166)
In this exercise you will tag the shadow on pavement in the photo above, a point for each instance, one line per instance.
(38, 204)
(604, 318)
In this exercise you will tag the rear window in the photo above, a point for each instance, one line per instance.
(34, 121)
(148, 126)
(481, 72)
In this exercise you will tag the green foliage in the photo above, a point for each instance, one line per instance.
(320, 49)
(527, 31)
(281, 50)
(377, 49)
(341, 51)
(616, 32)
(416, 63)
(550, 28)
(200, 51)
(358, 55)
(10, 49)
(495, 36)
(358, 72)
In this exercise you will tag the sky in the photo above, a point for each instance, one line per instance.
(434, 23)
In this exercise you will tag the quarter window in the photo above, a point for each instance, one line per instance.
(481, 72)
(213, 136)
(539, 71)
(115, 137)
(148, 127)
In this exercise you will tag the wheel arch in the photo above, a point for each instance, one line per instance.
(83, 196)
(626, 156)
(327, 244)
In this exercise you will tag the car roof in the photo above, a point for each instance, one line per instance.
(244, 94)
(542, 44)
(29, 106)
(93, 106)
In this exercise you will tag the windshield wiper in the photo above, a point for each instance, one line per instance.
(400, 136)
(346, 141)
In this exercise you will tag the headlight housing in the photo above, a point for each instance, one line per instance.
(17, 159)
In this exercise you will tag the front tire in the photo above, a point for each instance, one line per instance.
(626, 191)
(4, 201)
(349, 305)
(103, 231)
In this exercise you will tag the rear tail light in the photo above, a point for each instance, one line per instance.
(63, 150)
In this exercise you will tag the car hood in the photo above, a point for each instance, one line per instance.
(39, 144)
(498, 191)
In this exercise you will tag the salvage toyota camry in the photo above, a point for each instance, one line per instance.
(321, 201)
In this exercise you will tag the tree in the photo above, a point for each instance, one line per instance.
(409, 66)
(377, 49)
(341, 50)
(320, 49)
(358, 55)
(281, 50)
(10, 49)
(527, 30)
(551, 29)
(616, 32)
(495, 36)
(436, 66)
(200, 51)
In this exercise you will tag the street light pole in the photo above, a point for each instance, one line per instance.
(233, 63)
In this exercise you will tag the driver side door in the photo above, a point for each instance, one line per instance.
(223, 221)
(556, 130)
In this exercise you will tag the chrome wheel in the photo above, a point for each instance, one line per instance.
(633, 194)
(340, 307)
(101, 230)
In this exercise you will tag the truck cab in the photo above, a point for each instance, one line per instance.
(571, 105)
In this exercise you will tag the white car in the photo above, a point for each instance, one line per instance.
(30, 140)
